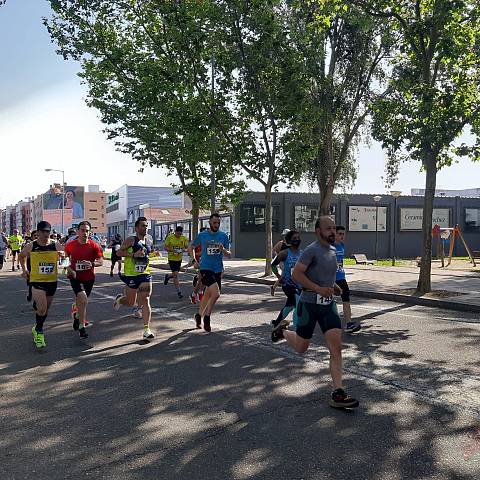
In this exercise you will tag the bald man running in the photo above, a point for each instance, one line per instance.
(315, 271)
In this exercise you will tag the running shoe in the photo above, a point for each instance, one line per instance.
(166, 279)
(277, 332)
(352, 327)
(179, 295)
(193, 298)
(147, 333)
(38, 338)
(198, 320)
(75, 318)
(206, 323)
(340, 399)
(137, 311)
(83, 333)
(116, 303)
(272, 290)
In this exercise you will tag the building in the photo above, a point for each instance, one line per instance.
(125, 203)
(439, 192)
(95, 209)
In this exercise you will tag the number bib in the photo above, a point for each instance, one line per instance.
(46, 268)
(213, 250)
(178, 250)
(141, 265)
(80, 266)
(324, 300)
(339, 267)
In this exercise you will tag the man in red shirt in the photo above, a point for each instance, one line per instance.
(84, 255)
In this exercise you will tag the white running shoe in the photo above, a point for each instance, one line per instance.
(147, 333)
(137, 311)
(116, 303)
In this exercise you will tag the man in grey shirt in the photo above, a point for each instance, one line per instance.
(315, 271)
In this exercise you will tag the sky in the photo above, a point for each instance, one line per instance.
(45, 123)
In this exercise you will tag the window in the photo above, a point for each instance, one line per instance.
(472, 219)
(252, 218)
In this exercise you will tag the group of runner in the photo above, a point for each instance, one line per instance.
(310, 278)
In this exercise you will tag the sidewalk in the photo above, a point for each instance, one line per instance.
(460, 289)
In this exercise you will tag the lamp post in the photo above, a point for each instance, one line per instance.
(63, 192)
(395, 194)
(376, 199)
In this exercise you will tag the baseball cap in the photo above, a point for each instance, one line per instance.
(43, 225)
(285, 231)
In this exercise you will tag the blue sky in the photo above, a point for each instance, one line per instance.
(44, 123)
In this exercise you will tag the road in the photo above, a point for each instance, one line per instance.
(230, 405)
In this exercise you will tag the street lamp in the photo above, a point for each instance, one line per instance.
(376, 199)
(395, 194)
(63, 191)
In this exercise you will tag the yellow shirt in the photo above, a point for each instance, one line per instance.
(178, 244)
(15, 242)
(43, 264)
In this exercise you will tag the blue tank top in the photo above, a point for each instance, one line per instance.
(288, 265)
(340, 248)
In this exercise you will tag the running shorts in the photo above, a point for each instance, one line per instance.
(14, 253)
(114, 259)
(175, 265)
(309, 314)
(135, 281)
(48, 287)
(345, 290)
(210, 277)
(79, 286)
(291, 292)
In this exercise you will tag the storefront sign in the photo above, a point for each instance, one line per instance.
(411, 218)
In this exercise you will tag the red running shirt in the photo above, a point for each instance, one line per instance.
(80, 252)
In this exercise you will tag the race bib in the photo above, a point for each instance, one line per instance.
(339, 267)
(81, 266)
(178, 250)
(140, 268)
(46, 268)
(324, 300)
(214, 250)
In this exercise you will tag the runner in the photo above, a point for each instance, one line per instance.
(175, 245)
(3, 248)
(350, 327)
(33, 237)
(279, 247)
(42, 275)
(15, 242)
(315, 271)
(115, 245)
(291, 289)
(215, 245)
(136, 276)
(84, 255)
(198, 286)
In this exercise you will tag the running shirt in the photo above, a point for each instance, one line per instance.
(79, 253)
(321, 263)
(136, 266)
(212, 255)
(340, 248)
(15, 242)
(116, 244)
(288, 265)
(178, 244)
(43, 263)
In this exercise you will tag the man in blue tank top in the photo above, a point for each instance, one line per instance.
(288, 258)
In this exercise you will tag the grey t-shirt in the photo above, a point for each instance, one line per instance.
(321, 263)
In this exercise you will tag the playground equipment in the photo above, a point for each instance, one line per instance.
(450, 233)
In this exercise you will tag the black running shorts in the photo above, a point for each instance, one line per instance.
(48, 287)
(209, 278)
(175, 265)
(345, 290)
(79, 286)
(309, 314)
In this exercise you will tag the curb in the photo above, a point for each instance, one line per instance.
(390, 297)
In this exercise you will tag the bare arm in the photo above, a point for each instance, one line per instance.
(276, 261)
(126, 244)
(22, 258)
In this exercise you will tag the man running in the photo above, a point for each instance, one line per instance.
(84, 255)
(341, 281)
(42, 275)
(175, 245)
(315, 271)
(277, 248)
(289, 259)
(15, 242)
(215, 245)
(115, 245)
(3, 248)
(136, 274)
(197, 293)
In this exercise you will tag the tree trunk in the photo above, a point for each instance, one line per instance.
(326, 195)
(268, 230)
(424, 279)
(195, 215)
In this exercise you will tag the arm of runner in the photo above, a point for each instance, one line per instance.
(276, 248)
(22, 258)
(276, 262)
(225, 247)
(337, 289)
(299, 277)
(126, 244)
(98, 262)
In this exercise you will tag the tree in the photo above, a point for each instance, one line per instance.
(433, 92)
(142, 86)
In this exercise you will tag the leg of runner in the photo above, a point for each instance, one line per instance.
(212, 294)
(14, 254)
(1, 261)
(289, 305)
(176, 282)
(41, 302)
(81, 301)
(144, 293)
(128, 299)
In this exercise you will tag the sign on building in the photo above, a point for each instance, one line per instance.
(411, 218)
(363, 219)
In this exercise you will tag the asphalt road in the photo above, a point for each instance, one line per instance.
(230, 405)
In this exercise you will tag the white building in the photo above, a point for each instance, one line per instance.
(440, 192)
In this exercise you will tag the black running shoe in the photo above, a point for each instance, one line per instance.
(275, 322)
(277, 332)
(340, 399)
(83, 333)
(352, 327)
(166, 279)
(179, 295)
(206, 323)
(198, 320)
